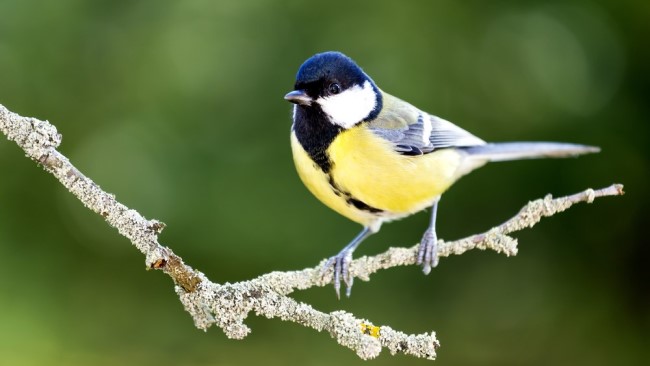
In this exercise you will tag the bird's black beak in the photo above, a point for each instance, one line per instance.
(298, 97)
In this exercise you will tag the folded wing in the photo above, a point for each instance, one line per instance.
(414, 132)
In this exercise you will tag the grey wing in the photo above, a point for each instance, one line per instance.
(407, 138)
(424, 134)
(446, 134)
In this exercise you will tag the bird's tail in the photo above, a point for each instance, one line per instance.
(504, 151)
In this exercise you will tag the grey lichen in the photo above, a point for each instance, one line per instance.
(228, 305)
(35, 137)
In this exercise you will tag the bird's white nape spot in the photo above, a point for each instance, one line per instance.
(350, 106)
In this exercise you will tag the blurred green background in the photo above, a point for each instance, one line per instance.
(176, 107)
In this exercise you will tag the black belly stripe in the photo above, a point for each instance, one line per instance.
(360, 205)
(315, 133)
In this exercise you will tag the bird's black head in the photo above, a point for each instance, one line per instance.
(333, 83)
(328, 73)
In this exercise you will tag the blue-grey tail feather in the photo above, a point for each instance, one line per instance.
(503, 151)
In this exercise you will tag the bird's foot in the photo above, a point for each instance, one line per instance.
(340, 264)
(428, 251)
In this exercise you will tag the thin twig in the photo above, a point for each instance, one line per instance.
(227, 305)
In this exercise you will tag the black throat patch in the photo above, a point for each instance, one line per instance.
(315, 134)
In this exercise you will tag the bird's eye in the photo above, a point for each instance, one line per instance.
(334, 88)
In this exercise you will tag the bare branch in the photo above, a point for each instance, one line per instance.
(227, 305)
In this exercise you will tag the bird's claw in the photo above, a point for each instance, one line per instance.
(428, 251)
(340, 264)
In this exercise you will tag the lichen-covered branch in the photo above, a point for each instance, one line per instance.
(227, 305)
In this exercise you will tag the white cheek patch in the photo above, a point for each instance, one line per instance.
(351, 106)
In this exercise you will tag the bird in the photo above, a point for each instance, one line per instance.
(375, 158)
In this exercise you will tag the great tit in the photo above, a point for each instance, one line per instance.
(374, 158)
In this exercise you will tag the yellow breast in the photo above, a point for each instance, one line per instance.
(318, 184)
(366, 166)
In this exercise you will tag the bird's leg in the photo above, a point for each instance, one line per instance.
(428, 251)
(341, 262)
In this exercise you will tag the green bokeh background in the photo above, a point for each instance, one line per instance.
(176, 107)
